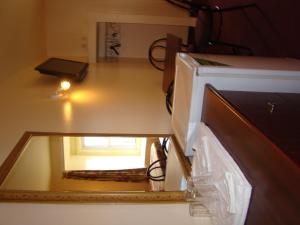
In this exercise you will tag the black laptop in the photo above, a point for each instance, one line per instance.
(64, 68)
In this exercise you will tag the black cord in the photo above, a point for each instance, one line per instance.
(164, 147)
(154, 62)
(151, 168)
(169, 97)
(156, 178)
(220, 26)
(151, 51)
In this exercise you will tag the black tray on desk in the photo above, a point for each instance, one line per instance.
(64, 68)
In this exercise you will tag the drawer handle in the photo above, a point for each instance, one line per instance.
(271, 106)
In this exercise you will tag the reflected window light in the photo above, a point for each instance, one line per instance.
(83, 96)
(67, 111)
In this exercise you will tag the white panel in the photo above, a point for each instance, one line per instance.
(182, 100)
(241, 75)
(174, 174)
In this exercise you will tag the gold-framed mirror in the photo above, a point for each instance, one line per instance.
(72, 167)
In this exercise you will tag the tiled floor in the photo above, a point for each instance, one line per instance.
(277, 33)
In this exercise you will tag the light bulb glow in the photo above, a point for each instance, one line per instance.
(65, 85)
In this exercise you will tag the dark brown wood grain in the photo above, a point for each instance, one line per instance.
(274, 177)
(281, 123)
(184, 161)
(172, 47)
(126, 175)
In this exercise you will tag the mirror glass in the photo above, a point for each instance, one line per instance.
(102, 163)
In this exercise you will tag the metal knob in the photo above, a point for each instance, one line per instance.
(271, 106)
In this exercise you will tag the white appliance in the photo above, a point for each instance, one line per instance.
(240, 73)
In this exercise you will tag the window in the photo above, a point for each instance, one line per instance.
(108, 142)
(106, 146)
(104, 153)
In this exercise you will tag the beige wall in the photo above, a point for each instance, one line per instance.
(22, 35)
(136, 38)
(98, 214)
(67, 20)
(32, 171)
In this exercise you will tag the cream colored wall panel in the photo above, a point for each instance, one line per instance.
(95, 214)
(30, 173)
(22, 39)
(67, 20)
(136, 38)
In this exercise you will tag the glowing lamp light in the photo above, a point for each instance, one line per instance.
(65, 85)
(62, 90)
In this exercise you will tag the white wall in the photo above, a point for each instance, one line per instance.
(67, 20)
(22, 35)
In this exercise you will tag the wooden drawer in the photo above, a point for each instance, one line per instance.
(274, 176)
(275, 114)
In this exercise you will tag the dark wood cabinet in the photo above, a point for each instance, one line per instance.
(173, 46)
(277, 115)
(261, 131)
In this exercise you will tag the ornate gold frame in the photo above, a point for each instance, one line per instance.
(75, 196)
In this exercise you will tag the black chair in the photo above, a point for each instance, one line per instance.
(204, 36)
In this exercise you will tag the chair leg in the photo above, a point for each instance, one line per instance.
(232, 8)
(227, 9)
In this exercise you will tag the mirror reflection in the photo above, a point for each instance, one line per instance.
(97, 163)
